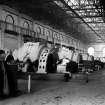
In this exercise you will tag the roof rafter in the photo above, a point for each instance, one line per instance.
(78, 16)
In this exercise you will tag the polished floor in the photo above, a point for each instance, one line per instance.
(53, 90)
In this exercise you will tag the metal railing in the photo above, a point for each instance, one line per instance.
(18, 30)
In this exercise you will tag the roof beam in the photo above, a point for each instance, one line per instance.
(83, 9)
(92, 22)
(81, 18)
(87, 16)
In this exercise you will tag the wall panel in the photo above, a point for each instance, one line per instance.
(10, 42)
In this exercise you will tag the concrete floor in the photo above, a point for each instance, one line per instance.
(52, 90)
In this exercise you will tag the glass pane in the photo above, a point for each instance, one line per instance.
(91, 51)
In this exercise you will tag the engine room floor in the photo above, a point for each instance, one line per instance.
(53, 90)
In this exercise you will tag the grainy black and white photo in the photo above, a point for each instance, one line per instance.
(52, 52)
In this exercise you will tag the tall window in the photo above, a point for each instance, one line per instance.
(26, 31)
(103, 51)
(26, 25)
(9, 19)
(91, 51)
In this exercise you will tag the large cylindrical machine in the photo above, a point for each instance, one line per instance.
(42, 58)
(33, 53)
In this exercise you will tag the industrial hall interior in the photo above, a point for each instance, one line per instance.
(52, 52)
